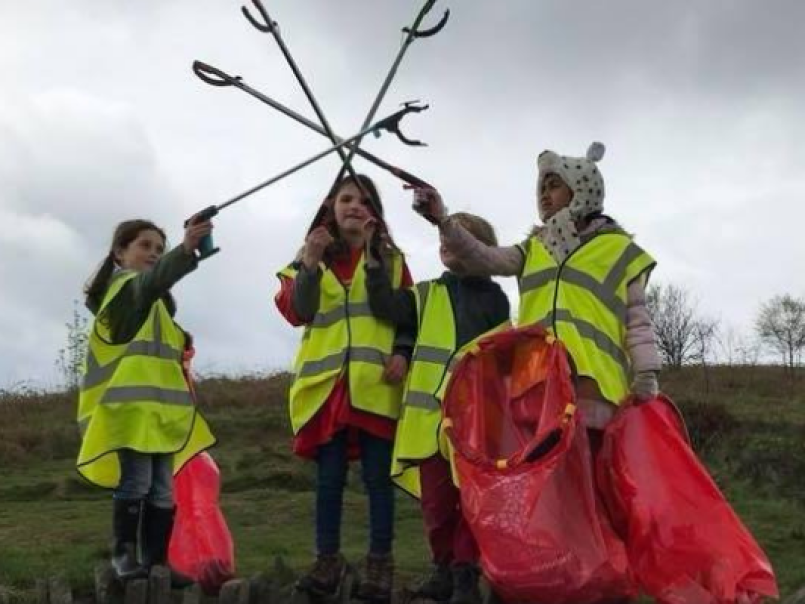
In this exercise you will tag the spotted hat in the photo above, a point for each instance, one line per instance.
(580, 174)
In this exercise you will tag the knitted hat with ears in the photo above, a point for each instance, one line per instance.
(578, 173)
(559, 233)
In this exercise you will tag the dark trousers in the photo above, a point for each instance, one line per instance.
(332, 469)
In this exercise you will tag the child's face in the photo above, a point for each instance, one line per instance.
(554, 196)
(351, 210)
(142, 253)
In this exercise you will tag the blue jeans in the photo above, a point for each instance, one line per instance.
(331, 478)
(146, 476)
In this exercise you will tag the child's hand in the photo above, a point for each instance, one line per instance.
(194, 232)
(369, 231)
(645, 386)
(396, 368)
(429, 204)
(315, 244)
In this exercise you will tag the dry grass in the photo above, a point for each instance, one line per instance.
(748, 424)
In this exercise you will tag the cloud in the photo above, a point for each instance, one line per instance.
(701, 107)
(69, 161)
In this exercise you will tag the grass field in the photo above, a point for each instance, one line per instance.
(748, 424)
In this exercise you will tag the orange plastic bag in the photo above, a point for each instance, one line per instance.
(201, 546)
(685, 543)
(526, 475)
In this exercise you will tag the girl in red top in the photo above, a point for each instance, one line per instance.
(357, 365)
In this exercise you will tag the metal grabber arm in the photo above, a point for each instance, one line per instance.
(390, 123)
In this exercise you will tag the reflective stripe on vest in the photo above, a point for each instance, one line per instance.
(584, 303)
(134, 395)
(435, 346)
(344, 335)
(95, 374)
(589, 331)
(418, 427)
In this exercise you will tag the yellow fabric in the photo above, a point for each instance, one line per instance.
(424, 433)
(583, 303)
(134, 395)
(417, 436)
(344, 336)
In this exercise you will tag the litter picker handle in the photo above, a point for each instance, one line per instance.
(206, 247)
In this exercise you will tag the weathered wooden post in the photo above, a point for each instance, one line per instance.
(261, 590)
(136, 592)
(106, 584)
(159, 585)
(59, 591)
(235, 591)
(192, 594)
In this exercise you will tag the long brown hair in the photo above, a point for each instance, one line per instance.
(383, 240)
(124, 234)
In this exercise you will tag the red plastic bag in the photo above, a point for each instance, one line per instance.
(526, 475)
(685, 543)
(201, 546)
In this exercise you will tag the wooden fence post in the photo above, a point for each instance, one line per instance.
(59, 591)
(192, 594)
(235, 591)
(159, 585)
(136, 592)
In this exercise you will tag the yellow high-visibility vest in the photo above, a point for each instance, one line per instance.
(134, 395)
(583, 303)
(344, 336)
(419, 428)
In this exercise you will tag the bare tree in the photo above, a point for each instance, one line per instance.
(705, 336)
(737, 348)
(70, 360)
(675, 323)
(749, 352)
(781, 328)
(729, 344)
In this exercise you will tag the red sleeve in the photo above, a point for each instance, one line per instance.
(407, 281)
(283, 302)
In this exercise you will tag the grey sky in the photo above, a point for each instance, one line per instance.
(701, 106)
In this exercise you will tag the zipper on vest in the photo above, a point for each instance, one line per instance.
(559, 280)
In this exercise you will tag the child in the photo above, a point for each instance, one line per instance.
(136, 414)
(445, 313)
(581, 276)
(346, 393)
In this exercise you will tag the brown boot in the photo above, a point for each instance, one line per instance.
(325, 577)
(378, 579)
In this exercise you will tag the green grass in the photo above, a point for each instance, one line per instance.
(69, 538)
(750, 430)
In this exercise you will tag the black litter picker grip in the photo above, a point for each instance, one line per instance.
(206, 247)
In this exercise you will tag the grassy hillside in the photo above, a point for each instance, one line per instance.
(749, 428)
